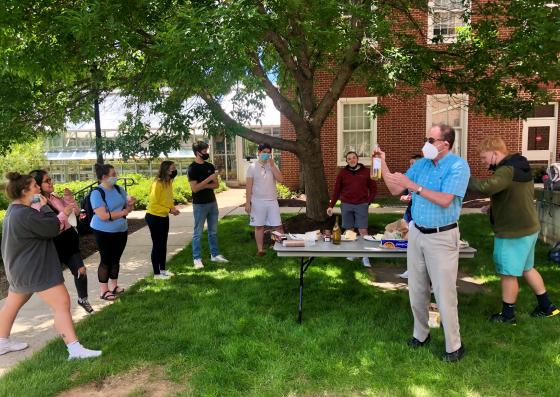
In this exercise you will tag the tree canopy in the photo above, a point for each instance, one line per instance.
(178, 59)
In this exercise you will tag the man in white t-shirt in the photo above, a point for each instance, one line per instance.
(261, 195)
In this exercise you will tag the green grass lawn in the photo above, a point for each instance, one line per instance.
(231, 330)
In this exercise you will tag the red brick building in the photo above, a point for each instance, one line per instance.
(400, 132)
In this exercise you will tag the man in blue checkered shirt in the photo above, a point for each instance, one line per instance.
(438, 182)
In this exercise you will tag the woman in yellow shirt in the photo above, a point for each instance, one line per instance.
(160, 205)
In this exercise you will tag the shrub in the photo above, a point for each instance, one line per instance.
(222, 187)
(538, 173)
(3, 200)
(182, 190)
(284, 192)
(182, 193)
(74, 187)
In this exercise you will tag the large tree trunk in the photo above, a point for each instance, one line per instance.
(316, 190)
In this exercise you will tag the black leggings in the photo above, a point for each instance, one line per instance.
(74, 263)
(111, 247)
(67, 246)
(159, 230)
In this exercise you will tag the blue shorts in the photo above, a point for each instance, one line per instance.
(354, 215)
(513, 256)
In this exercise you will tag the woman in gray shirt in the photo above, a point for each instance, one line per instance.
(32, 265)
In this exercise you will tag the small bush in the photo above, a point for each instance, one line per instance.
(3, 200)
(74, 187)
(2, 215)
(222, 187)
(284, 192)
(538, 173)
(141, 189)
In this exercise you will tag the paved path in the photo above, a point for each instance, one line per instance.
(34, 324)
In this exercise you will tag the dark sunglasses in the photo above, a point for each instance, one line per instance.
(48, 180)
(433, 140)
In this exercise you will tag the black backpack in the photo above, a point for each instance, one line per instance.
(86, 212)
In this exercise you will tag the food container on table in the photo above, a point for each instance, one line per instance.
(394, 243)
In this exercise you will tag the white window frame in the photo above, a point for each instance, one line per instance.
(431, 11)
(340, 161)
(464, 102)
(552, 122)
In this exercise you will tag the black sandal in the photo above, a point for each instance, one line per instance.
(108, 296)
(117, 290)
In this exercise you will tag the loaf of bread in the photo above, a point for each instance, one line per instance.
(350, 235)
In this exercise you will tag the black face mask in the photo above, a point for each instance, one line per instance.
(204, 156)
(173, 174)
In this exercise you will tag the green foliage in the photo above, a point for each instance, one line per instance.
(538, 173)
(176, 62)
(74, 186)
(141, 189)
(221, 187)
(24, 157)
(284, 192)
(231, 330)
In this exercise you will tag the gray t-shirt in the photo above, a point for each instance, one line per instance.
(28, 250)
(264, 183)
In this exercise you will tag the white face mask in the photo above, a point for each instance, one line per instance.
(430, 151)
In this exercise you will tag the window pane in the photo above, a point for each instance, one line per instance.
(542, 111)
(538, 138)
(360, 121)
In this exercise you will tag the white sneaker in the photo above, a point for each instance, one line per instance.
(404, 275)
(365, 262)
(198, 264)
(81, 352)
(219, 258)
(350, 258)
(167, 273)
(161, 276)
(8, 346)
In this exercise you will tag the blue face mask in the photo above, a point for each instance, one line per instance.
(265, 156)
(112, 180)
(35, 199)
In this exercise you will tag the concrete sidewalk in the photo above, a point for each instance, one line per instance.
(34, 323)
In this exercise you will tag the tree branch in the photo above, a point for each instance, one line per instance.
(241, 130)
(341, 79)
(280, 102)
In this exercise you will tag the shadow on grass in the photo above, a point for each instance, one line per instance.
(231, 330)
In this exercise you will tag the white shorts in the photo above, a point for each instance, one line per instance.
(265, 213)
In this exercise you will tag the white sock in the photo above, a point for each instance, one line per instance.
(4, 341)
(74, 347)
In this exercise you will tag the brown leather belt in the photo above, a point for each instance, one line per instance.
(428, 230)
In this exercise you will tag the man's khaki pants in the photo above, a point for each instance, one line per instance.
(434, 257)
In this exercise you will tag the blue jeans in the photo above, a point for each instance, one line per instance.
(205, 212)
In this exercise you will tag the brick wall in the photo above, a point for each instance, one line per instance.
(400, 133)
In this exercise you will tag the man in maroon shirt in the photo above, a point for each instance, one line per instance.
(356, 191)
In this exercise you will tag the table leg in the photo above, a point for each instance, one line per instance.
(305, 262)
